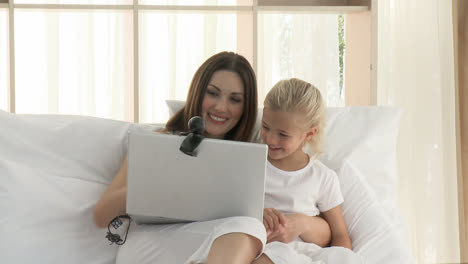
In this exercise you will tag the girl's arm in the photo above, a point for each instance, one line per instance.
(113, 201)
(339, 232)
(316, 231)
(312, 229)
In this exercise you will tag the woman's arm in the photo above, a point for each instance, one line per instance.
(339, 232)
(113, 201)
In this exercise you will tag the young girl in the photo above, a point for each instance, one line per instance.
(298, 186)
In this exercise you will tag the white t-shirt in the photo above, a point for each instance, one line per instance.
(310, 190)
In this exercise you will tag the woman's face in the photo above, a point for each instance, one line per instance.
(223, 103)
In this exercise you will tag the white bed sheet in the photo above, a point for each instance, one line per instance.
(190, 244)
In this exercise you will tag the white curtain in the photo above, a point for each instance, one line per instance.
(194, 2)
(416, 73)
(81, 2)
(300, 46)
(172, 47)
(4, 59)
(74, 62)
(81, 61)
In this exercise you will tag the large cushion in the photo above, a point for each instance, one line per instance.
(365, 136)
(53, 169)
(373, 232)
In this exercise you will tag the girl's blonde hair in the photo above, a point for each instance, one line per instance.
(296, 95)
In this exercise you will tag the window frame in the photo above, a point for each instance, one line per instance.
(258, 6)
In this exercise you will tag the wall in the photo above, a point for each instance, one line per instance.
(358, 58)
(461, 54)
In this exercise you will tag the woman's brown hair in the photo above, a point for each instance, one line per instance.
(226, 61)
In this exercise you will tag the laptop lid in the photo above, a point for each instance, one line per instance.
(164, 185)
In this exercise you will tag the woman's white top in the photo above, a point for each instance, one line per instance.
(310, 190)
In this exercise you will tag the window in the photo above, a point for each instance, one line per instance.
(172, 47)
(81, 2)
(197, 2)
(89, 57)
(81, 62)
(4, 59)
(304, 46)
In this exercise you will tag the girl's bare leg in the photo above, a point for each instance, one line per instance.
(234, 248)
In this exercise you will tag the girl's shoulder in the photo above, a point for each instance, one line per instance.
(318, 167)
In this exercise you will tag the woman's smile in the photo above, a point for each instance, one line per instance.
(217, 119)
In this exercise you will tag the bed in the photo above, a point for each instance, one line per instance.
(53, 169)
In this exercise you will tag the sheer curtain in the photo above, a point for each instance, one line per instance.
(416, 73)
(303, 46)
(196, 2)
(81, 61)
(74, 62)
(82, 2)
(172, 47)
(4, 59)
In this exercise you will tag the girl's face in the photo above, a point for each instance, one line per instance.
(284, 133)
(223, 103)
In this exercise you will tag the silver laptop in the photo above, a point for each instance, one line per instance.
(165, 185)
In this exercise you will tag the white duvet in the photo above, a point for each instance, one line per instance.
(190, 244)
(308, 253)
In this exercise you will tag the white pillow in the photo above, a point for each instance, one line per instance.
(53, 170)
(365, 136)
(375, 236)
(174, 106)
(361, 148)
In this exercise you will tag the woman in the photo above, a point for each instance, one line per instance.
(224, 92)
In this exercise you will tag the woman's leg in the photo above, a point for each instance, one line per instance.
(234, 248)
(263, 259)
(237, 239)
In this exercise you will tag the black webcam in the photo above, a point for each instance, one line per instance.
(196, 126)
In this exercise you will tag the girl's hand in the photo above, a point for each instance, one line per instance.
(273, 220)
(289, 232)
